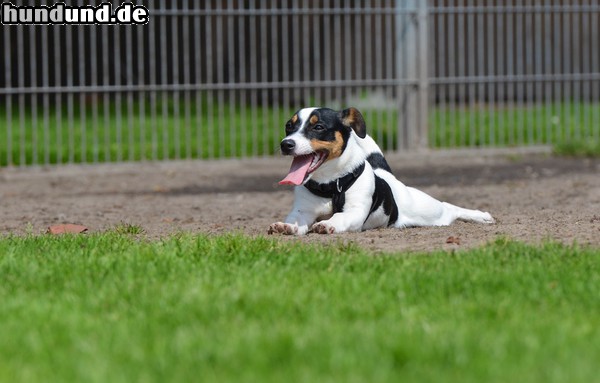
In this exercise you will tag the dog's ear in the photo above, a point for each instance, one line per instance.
(352, 118)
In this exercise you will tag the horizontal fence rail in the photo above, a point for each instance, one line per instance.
(216, 79)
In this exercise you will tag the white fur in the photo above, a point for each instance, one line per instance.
(313, 213)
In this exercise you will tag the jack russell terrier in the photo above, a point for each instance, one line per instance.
(343, 182)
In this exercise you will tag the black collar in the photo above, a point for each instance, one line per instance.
(337, 188)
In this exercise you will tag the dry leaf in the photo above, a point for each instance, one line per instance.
(67, 228)
(454, 240)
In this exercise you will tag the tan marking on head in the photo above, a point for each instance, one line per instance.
(294, 118)
(352, 118)
(334, 148)
(313, 120)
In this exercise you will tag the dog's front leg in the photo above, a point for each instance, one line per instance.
(307, 207)
(355, 211)
(340, 223)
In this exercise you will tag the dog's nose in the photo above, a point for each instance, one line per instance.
(287, 146)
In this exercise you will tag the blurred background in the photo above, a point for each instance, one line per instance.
(218, 79)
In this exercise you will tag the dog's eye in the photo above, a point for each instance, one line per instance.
(288, 127)
(318, 127)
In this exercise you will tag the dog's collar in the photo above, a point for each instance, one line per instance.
(335, 189)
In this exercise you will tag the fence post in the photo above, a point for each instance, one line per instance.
(411, 64)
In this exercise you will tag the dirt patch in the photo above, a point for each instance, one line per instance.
(532, 197)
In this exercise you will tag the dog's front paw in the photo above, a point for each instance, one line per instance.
(283, 228)
(322, 228)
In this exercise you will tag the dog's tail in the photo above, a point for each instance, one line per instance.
(468, 214)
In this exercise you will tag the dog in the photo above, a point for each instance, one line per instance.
(343, 182)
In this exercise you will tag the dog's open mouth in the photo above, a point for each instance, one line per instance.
(302, 166)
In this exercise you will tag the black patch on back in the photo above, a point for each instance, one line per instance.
(383, 196)
(377, 161)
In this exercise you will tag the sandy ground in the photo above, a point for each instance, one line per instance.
(532, 197)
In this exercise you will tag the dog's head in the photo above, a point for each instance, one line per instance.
(317, 135)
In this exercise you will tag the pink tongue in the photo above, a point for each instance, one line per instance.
(298, 170)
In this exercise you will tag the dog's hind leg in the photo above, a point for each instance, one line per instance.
(453, 212)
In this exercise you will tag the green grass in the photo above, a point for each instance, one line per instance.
(162, 130)
(578, 148)
(536, 124)
(116, 308)
(148, 131)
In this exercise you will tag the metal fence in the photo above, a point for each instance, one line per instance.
(213, 79)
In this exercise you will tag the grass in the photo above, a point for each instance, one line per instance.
(578, 148)
(168, 130)
(115, 307)
(541, 124)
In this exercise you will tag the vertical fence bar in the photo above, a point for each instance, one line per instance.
(337, 64)
(548, 47)
(264, 79)
(35, 140)
(118, 95)
(461, 72)
(519, 69)
(70, 96)
(231, 99)
(220, 67)
(481, 50)
(586, 68)
(187, 74)
(242, 78)
(129, 94)
(537, 64)
(166, 139)
(176, 121)
(275, 76)
(209, 79)
(388, 70)
(471, 71)
(152, 31)
(491, 87)
(423, 81)
(595, 92)
(408, 32)
(304, 34)
(371, 72)
(558, 118)
(106, 107)
(527, 71)
(442, 124)
(82, 81)
(566, 91)
(576, 63)
(378, 36)
(141, 75)
(451, 59)
(21, 99)
(46, 96)
(9, 83)
(253, 79)
(59, 96)
(199, 126)
(327, 55)
(94, 81)
(501, 87)
(510, 87)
